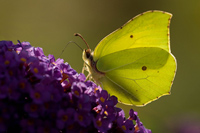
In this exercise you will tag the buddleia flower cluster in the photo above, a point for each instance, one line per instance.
(40, 94)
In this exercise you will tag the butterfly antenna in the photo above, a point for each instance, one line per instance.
(77, 34)
(67, 45)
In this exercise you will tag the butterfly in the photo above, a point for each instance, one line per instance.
(135, 63)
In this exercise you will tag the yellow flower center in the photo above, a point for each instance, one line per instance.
(102, 99)
(106, 113)
(6, 62)
(35, 70)
(23, 59)
(34, 107)
(99, 123)
(65, 118)
(22, 85)
(76, 92)
(37, 95)
(10, 72)
(70, 127)
(124, 127)
(80, 117)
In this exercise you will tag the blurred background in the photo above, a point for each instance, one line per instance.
(50, 24)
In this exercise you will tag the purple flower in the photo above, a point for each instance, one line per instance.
(32, 109)
(37, 70)
(133, 115)
(84, 119)
(65, 118)
(84, 103)
(47, 127)
(41, 94)
(102, 124)
(103, 96)
(139, 128)
(128, 126)
(77, 88)
(28, 125)
(13, 90)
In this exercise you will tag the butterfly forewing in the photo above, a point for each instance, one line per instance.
(150, 29)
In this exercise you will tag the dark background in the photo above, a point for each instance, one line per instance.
(50, 24)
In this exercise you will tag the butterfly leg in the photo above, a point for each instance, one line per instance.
(85, 68)
(89, 76)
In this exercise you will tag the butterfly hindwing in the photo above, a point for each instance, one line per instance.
(139, 75)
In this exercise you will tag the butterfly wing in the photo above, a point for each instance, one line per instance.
(136, 59)
(137, 76)
(149, 29)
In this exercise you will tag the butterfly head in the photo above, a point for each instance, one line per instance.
(87, 55)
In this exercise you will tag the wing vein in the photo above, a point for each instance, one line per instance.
(121, 88)
(141, 79)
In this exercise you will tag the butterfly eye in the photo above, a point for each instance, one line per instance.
(88, 53)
